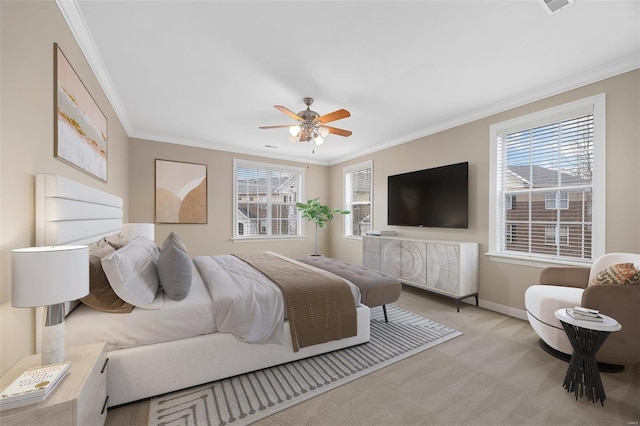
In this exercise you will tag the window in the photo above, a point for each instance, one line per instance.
(556, 235)
(551, 165)
(266, 196)
(557, 198)
(358, 181)
(510, 202)
(510, 234)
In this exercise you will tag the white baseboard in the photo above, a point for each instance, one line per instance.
(496, 307)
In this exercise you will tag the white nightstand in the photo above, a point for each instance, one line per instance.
(79, 399)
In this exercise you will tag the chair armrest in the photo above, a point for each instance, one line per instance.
(577, 277)
(618, 301)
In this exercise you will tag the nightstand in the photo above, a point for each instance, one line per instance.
(79, 399)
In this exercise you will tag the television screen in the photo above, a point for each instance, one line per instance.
(437, 197)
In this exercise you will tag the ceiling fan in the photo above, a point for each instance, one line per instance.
(311, 125)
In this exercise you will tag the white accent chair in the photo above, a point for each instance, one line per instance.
(566, 287)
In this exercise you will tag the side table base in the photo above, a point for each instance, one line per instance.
(583, 377)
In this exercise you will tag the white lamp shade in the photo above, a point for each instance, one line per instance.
(42, 276)
(132, 230)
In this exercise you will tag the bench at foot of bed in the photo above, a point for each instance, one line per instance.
(376, 288)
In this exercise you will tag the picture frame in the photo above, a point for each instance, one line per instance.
(180, 192)
(80, 126)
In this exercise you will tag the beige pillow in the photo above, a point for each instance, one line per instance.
(620, 273)
(101, 296)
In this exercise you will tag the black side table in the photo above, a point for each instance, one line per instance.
(586, 338)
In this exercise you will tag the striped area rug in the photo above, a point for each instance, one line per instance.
(247, 398)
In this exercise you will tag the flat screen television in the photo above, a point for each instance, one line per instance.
(436, 197)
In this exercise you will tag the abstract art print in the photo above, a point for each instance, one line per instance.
(181, 192)
(80, 127)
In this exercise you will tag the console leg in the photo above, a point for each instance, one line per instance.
(384, 309)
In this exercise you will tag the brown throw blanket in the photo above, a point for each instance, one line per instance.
(320, 306)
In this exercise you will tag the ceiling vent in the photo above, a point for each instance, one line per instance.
(552, 6)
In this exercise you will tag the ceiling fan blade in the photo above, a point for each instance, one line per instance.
(339, 132)
(276, 127)
(333, 116)
(287, 111)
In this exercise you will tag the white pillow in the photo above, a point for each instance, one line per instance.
(132, 272)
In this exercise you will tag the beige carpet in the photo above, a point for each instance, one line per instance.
(494, 374)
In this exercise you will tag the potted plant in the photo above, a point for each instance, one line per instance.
(319, 214)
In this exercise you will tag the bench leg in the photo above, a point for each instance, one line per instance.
(384, 309)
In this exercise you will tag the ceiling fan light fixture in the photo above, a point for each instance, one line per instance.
(309, 125)
(294, 130)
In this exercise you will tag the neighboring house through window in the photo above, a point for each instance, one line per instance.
(265, 197)
(358, 183)
(551, 165)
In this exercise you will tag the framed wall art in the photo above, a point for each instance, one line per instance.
(181, 192)
(80, 127)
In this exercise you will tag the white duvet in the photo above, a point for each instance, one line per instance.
(227, 295)
(245, 302)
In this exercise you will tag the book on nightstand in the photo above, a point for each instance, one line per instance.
(34, 385)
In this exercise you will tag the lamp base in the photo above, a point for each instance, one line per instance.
(53, 335)
(53, 344)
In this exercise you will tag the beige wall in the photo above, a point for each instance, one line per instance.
(215, 236)
(502, 283)
(29, 29)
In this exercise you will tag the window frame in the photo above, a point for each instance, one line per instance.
(597, 106)
(270, 167)
(347, 204)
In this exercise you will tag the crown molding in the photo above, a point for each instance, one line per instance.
(76, 23)
(73, 16)
(589, 77)
(224, 147)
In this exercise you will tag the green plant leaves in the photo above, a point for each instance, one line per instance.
(318, 213)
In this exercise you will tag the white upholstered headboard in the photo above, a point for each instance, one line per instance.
(68, 212)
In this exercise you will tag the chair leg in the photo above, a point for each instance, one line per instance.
(384, 309)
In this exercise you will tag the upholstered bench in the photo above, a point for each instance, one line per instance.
(376, 288)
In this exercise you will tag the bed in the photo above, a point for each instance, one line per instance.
(68, 212)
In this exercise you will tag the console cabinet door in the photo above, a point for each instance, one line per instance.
(443, 267)
(414, 262)
(405, 260)
(391, 257)
(371, 252)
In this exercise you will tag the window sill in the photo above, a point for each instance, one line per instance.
(260, 239)
(352, 238)
(534, 262)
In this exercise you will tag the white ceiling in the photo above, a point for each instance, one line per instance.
(207, 73)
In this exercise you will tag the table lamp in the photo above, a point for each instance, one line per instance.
(49, 276)
(132, 230)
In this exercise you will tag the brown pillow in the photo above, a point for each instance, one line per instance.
(620, 273)
(101, 296)
(116, 241)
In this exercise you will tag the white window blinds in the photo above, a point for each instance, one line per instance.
(265, 200)
(357, 190)
(544, 187)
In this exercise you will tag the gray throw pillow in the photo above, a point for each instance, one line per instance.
(175, 268)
